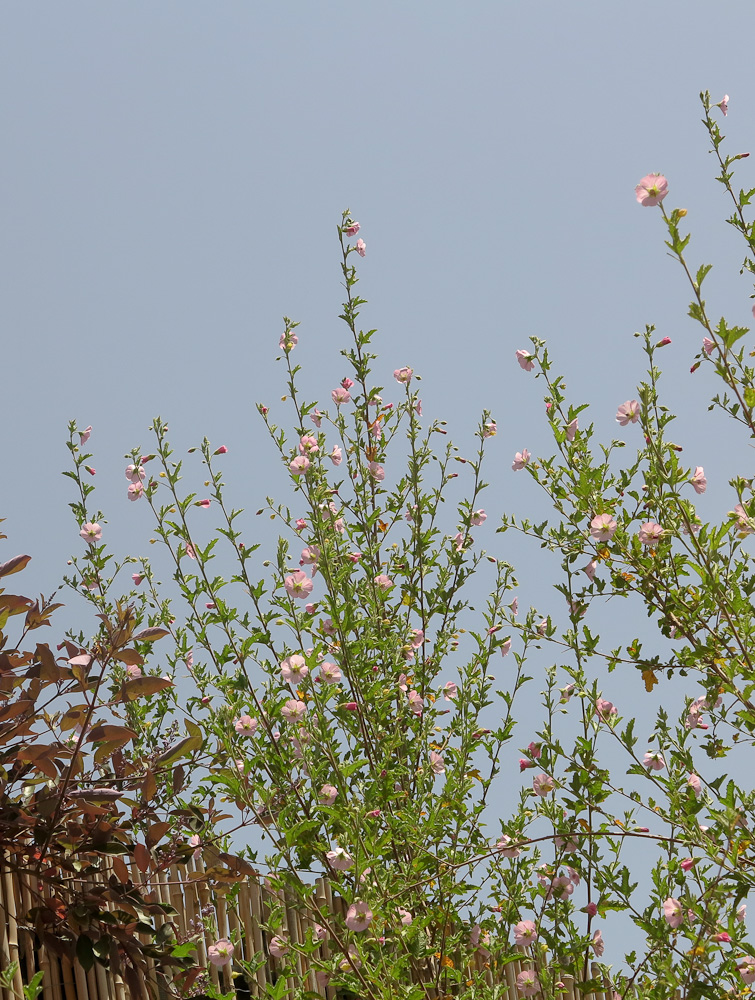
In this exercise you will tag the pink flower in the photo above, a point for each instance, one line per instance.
(376, 471)
(602, 527)
(299, 465)
(405, 916)
(458, 541)
(490, 429)
(418, 637)
(653, 760)
(524, 359)
(525, 933)
(339, 859)
(196, 842)
(246, 725)
(520, 460)
(744, 523)
(340, 395)
(347, 383)
(301, 524)
(664, 342)
(524, 764)
(294, 669)
(708, 345)
(352, 230)
(450, 691)
(90, 470)
(566, 693)
(384, 582)
(403, 375)
(354, 556)
(293, 710)
(135, 473)
(91, 532)
(135, 491)
(687, 864)
(328, 795)
(605, 709)
(695, 784)
(361, 248)
(543, 784)
(722, 937)
(221, 952)
(203, 503)
(336, 456)
(724, 105)
(278, 946)
(506, 647)
(308, 445)
(298, 585)
(590, 568)
(673, 912)
(571, 429)
(746, 969)
(310, 557)
(591, 909)
(133, 671)
(136, 578)
(288, 341)
(535, 751)
(527, 984)
(437, 764)
(329, 672)
(418, 407)
(628, 413)
(650, 533)
(190, 551)
(478, 517)
(598, 945)
(358, 917)
(415, 702)
(84, 435)
(741, 913)
(698, 480)
(505, 849)
(651, 190)
(222, 450)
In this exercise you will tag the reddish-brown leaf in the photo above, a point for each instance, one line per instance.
(141, 687)
(142, 857)
(14, 565)
(110, 733)
(156, 833)
(151, 634)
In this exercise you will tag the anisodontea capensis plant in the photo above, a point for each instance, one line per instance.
(341, 703)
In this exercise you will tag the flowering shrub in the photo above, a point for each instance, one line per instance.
(342, 703)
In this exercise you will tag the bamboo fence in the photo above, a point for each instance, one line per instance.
(189, 894)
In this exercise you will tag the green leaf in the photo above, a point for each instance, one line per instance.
(85, 952)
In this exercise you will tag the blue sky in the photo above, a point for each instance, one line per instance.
(173, 174)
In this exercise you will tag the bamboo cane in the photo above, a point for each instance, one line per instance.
(11, 916)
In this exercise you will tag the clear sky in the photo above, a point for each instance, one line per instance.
(172, 176)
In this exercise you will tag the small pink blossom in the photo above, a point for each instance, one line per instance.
(724, 105)
(566, 693)
(591, 909)
(376, 471)
(598, 945)
(602, 527)
(664, 342)
(298, 585)
(301, 524)
(543, 784)
(709, 344)
(746, 969)
(695, 784)
(458, 541)
(220, 953)
(361, 248)
(330, 673)
(524, 764)
(698, 480)
(405, 916)
(490, 429)
(91, 532)
(415, 702)
(520, 460)
(222, 450)
(383, 581)
(527, 984)
(687, 864)
(293, 710)
(294, 669)
(571, 429)
(651, 190)
(288, 341)
(628, 413)
(196, 842)
(590, 568)
(135, 473)
(90, 470)
(352, 229)
(300, 465)
(741, 913)
(723, 937)
(525, 360)
(328, 794)
(339, 859)
(190, 551)
(535, 750)
(653, 760)
(203, 503)
(133, 671)
(605, 709)
(503, 845)
(525, 933)
(246, 725)
(336, 455)
(340, 395)
(358, 917)
(650, 533)
(135, 491)
(308, 445)
(437, 764)
(84, 435)
(403, 375)
(450, 691)
(278, 946)
(744, 523)
(673, 912)
(137, 578)
(418, 637)
(478, 517)
(506, 647)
